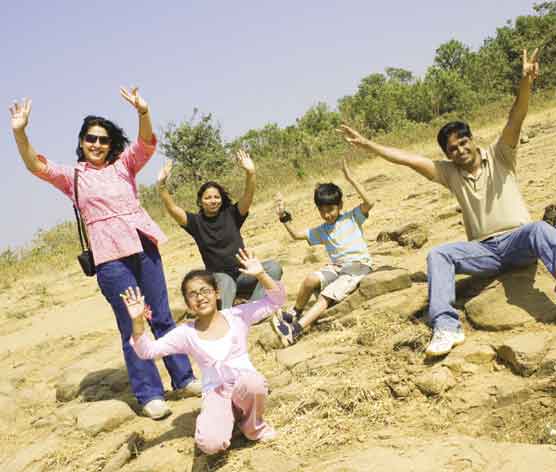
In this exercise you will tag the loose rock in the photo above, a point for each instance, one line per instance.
(436, 381)
(103, 416)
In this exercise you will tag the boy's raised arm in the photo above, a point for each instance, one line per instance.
(285, 218)
(418, 163)
(366, 205)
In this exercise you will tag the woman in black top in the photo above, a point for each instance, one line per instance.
(216, 229)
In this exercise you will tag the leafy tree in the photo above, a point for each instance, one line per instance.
(400, 75)
(318, 119)
(197, 146)
(452, 56)
(450, 92)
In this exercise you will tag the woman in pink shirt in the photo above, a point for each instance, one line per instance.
(232, 388)
(123, 237)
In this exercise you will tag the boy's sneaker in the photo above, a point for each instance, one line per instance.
(287, 332)
(156, 409)
(443, 341)
(291, 315)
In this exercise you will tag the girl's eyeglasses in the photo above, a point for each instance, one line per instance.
(204, 292)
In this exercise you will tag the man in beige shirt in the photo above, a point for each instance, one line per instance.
(497, 222)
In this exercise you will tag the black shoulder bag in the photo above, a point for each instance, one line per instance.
(85, 259)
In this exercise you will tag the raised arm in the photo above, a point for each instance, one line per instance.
(530, 71)
(418, 163)
(250, 265)
(139, 103)
(275, 293)
(247, 164)
(19, 120)
(285, 219)
(366, 205)
(176, 212)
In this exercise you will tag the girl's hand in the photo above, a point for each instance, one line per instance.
(20, 114)
(245, 162)
(135, 99)
(135, 304)
(165, 172)
(248, 260)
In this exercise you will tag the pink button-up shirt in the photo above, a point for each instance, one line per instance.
(108, 201)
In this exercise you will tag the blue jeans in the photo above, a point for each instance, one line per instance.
(144, 270)
(228, 287)
(517, 248)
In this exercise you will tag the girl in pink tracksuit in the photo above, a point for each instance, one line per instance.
(233, 390)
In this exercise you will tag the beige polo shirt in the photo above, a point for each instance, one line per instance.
(491, 202)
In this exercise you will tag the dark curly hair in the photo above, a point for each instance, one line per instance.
(118, 138)
(226, 200)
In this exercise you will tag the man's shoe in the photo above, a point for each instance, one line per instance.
(287, 332)
(156, 409)
(443, 341)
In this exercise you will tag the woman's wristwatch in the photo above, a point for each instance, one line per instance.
(285, 217)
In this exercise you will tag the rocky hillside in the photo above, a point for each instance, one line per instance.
(356, 394)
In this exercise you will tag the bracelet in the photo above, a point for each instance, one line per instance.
(144, 113)
(285, 217)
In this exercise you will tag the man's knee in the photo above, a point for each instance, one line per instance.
(434, 254)
(543, 229)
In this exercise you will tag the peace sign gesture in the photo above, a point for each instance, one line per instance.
(20, 114)
(531, 65)
(133, 97)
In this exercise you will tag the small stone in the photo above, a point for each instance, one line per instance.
(436, 381)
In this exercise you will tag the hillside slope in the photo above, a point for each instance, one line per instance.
(354, 395)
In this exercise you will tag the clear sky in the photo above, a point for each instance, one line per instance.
(247, 62)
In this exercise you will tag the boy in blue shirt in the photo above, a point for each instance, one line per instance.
(342, 235)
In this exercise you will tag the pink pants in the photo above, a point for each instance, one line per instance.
(220, 409)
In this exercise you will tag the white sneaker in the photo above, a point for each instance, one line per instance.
(443, 341)
(156, 409)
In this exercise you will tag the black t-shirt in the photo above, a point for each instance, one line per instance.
(218, 238)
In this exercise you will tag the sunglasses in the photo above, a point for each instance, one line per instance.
(93, 138)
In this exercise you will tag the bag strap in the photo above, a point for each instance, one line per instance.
(80, 226)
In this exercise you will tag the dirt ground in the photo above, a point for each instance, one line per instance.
(354, 395)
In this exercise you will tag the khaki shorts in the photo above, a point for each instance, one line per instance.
(338, 281)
